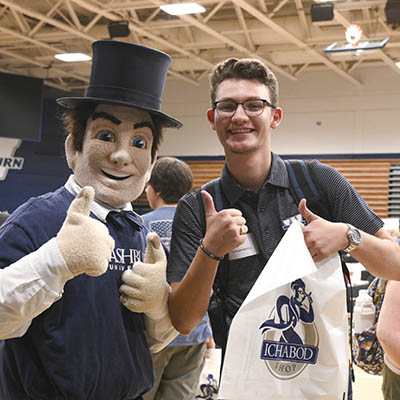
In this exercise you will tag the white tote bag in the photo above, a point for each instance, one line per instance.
(289, 339)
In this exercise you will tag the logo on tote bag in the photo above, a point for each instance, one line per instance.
(290, 337)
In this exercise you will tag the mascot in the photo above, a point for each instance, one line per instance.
(81, 305)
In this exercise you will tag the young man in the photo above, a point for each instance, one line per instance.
(255, 186)
(70, 329)
(170, 179)
(177, 367)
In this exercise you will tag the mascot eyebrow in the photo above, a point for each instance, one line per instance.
(116, 121)
(104, 115)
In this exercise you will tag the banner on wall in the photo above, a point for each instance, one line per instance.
(7, 159)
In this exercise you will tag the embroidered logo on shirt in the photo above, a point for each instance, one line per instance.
(122, 259)
(288, 221)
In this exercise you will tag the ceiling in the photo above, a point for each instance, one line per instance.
(279, 32)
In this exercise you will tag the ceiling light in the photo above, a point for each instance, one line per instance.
(183, 8)
(398, 64)
(72, 57)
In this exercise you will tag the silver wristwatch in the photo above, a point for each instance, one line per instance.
(354, 236)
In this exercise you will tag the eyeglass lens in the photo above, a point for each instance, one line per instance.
(251, 107)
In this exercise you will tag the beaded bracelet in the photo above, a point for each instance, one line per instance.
(205, 251)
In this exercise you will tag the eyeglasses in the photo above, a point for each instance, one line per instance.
(252, 107)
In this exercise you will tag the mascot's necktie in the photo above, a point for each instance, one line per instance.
(120, 219)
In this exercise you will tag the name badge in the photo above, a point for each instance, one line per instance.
(246, 249)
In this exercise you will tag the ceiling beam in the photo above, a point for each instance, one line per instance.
(137, 27)
(289, 36)
(243, 25)
(229, 42)
(46, 19)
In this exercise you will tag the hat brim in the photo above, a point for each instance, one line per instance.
(74, 102)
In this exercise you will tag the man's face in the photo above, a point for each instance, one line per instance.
(240, 133)
(116, 154)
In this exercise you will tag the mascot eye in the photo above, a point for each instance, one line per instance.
(139, 142)
(106, 136)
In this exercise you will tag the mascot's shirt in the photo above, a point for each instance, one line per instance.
(86, 345)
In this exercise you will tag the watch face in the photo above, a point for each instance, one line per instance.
(355, 235)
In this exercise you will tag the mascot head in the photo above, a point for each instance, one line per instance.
(114, 131)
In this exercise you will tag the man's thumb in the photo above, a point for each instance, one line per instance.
(83, 201)
(208, 203)
(305, 212)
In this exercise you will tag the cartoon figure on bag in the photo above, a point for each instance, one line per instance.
(290, 338)
(289, 312)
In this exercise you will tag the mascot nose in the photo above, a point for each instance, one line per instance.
(120, 156)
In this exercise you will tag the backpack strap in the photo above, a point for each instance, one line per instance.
(302, 185)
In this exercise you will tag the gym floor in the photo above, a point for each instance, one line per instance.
(366, 386)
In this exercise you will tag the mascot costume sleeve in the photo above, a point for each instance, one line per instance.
(83, 291)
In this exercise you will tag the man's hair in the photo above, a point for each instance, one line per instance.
(75, 121)
(245, 68)
(172, 178)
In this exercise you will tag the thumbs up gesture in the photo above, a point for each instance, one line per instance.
(83, 241)
(322, 237)
(226, 229)
(145, 287)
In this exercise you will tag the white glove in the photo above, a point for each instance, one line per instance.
(83, 241)
(145, 288)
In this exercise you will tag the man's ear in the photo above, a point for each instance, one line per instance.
(276, 118)
(211, 117)
(70, 152)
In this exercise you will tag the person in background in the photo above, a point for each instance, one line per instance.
(178, 366)
(388, 333)
(255, 190)
(71, 327)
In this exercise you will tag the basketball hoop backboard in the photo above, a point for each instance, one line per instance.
(363, 44)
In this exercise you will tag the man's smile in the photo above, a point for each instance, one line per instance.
(242, 130)
(115, 177)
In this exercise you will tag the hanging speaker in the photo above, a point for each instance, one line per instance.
(321, 12)
(392, 11)
(118, 29)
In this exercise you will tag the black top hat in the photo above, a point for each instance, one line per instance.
(127, 74)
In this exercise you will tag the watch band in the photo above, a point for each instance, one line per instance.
(354, 237)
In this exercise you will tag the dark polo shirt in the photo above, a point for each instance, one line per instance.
(266, 213)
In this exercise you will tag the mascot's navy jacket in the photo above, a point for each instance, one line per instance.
(87, 345)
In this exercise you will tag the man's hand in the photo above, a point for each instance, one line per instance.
(322, 237)
(225, 229)
(83, 241)
(145, 289)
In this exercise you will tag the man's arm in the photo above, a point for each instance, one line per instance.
(388, 329)
(189, 299)
(379, 253)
